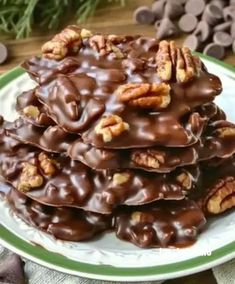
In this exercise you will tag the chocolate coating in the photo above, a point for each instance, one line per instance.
(171, 224)
(76, 99)
(75, 185)
(68, 224)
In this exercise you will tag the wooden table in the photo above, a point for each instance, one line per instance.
(108, 20)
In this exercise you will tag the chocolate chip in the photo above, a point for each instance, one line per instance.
(165, 29)
(188, 23)
(229, 13)
(143, 15)
(223, 27)
(232, 31)
(3, 53)
(195, 7)
(203, 31)
(212, 14)
(215, 50)
(158, 9)
(192, 42)
(223, 39)
(173, 10)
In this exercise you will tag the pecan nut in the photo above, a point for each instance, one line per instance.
(31, 111)
(110, 127)
(185, 179)
(29, 178)
(104, 45)
(46, 164)
(178, 62)
(221, 196)
(150, 96)
(68, 40)
(225, 132)
(149, 159)
(120, 178)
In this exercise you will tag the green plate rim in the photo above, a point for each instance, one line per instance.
(59, 262)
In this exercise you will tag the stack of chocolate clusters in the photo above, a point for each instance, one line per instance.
(121, 133)
(210, 23)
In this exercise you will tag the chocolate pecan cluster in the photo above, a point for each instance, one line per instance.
(120, 133)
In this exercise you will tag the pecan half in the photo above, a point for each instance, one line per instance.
(178, 62)
(120, 178)
(68, 40)
(46, 164)
(149, 159)
(110, 127)
(185, 179)
(150, 96)
(29, 178)
(104, 45)
(225, 132)
(221, 196)
(31, 111)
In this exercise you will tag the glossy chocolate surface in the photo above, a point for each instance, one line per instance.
(68, 224)
(75, 185)
(167, 224)
(78, 90)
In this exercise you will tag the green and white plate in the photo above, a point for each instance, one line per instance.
(108, 258)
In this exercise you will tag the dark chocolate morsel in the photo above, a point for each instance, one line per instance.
(158, 9)
(173, 10)
(68, 224)
(188, 23)
(212, 14)
(192, 42)
(223, 39)
(229, 13)
(166, 29)
(214, 50)
(195, 7)
(171, 224)
(12, 270)
(143, 15)
(3, 53)
(226, 26)
(203, 31)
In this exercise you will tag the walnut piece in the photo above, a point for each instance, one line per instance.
(46, 164)
(221, 196)
(29, 178)
(136, 216)
(31, 111)
(86, 33)
(179, 61)
(120, 178)
(150, 96)
(68, 40)
(225, 132)
(185, 179)
(104, 45)
(110, 127)
(149, 159)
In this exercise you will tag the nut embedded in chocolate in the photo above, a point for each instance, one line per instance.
(151, 96)
(111, 126)
(149, 159)
(31, 111)
(46, 164)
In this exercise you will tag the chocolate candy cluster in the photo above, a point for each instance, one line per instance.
(209, 23)
(121, 133)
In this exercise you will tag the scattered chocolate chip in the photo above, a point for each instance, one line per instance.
(3, 53)
(188, 23)
(203, 31)
(212, 14)
(229, 13)
(158, 9)
(215, 50)
(195, 7)
(223, 27)
(173, 10)
(166, 28)
(143, 15)
(223, 39)
(192, 42)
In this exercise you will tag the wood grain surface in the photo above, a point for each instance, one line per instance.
(108, 20)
